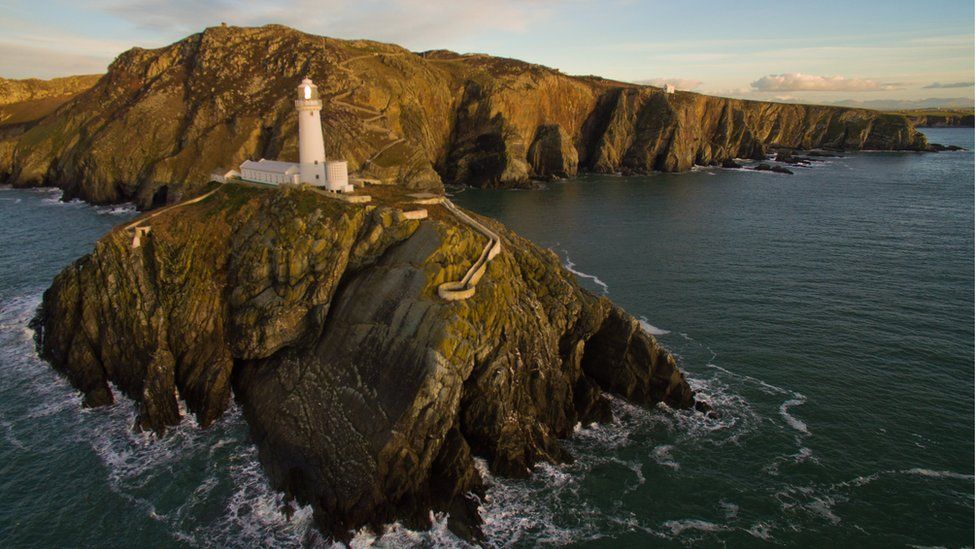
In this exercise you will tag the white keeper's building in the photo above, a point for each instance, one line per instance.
(312, 167)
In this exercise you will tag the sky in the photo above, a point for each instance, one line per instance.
(825, 51)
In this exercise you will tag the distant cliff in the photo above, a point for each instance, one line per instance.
(367, 395)
(169, 116)
(32, 89)
(935, 118)
(23, 102)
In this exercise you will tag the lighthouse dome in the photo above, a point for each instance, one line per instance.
(307, 90)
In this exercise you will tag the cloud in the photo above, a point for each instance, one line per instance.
(411, 22)
(940, 85)
(679, 83)
(20, 61)
(796, 81)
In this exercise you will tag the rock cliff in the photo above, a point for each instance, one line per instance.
(367, 395)
(167, 117)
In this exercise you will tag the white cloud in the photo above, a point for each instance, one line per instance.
(679, 83)
(940, 85)
(791, 82)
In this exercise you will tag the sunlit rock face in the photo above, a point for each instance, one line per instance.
(170, 116)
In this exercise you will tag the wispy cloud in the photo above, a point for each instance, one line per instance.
(28, 49)
(940, 85)
(793, 82)
(405, 21)
(679, 83)
(20, 61)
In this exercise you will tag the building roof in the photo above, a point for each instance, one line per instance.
(270, 166)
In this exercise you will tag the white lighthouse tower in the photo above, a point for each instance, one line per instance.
(311, 148)
(312, 168)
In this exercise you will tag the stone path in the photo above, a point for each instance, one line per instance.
(368, 123)
(465, 288)
(140, 232)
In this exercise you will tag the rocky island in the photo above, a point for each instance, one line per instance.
(367, 395)
(160, 120)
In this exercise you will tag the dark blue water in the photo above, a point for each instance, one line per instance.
(828, 316)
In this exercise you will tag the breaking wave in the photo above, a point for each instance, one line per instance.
(792, 421)
(570, 266)
(650, 328)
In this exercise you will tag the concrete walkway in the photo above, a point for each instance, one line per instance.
(375, 115)
(144, 231)
(464, 288)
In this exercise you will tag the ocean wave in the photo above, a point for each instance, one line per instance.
(650, 328)
(662, 456)
(809, 500)
(764, 386)
(522, 511)
(918, 471)
(397, 535)
(735, 417)
(792, 421)
(678, 527)
(803, 455)
(570, 266)
(126, 208)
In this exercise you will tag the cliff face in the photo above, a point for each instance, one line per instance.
(367, 395)
(171, 115)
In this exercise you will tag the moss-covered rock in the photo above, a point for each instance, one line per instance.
(367, 394)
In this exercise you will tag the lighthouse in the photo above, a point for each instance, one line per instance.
(312, 167)
(311, 148)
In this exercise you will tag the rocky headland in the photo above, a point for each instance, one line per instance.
(368, 396)
(940, 118)
(24, 102)
(163, 119)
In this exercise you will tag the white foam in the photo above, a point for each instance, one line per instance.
(731, 510)
(397, 535)
(806, 498)
(678, 527)
(761, 530)
(764, 386)
(570, 266)
(127, 208)
(937, 474)
(791, 420)
(735, 416)
(662, 456)
(650, 328)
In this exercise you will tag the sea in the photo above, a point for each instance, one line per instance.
(827, 317)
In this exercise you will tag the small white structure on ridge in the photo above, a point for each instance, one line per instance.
(223, 176)
(669, 88)
(312, 167)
